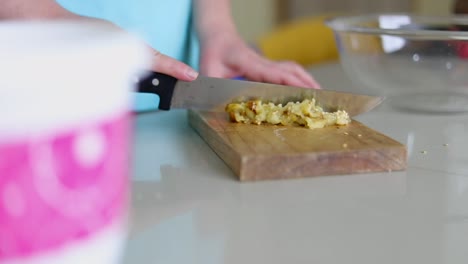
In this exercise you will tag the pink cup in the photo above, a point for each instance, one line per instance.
(65, 132)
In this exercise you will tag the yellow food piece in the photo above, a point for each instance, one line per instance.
(306, 113)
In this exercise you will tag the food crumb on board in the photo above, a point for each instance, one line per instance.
(424, 152)
(359, 135)
(346, 133)
(278, 134)
(345, 145)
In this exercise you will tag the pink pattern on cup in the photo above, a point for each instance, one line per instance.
(63, 187)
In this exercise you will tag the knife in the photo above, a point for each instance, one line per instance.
(206, 93)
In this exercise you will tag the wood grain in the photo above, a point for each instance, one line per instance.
(277, 152)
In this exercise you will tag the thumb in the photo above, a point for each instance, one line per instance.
(170, 66)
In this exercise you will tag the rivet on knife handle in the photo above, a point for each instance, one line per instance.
(160, 84)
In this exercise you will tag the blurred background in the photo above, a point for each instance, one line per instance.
(288, 29)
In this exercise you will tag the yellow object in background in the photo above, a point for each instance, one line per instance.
(306, 41)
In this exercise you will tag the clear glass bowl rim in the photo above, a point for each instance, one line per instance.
(350, 24)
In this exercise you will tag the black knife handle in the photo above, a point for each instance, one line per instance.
(160, 84)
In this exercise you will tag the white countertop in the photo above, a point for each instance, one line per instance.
(189, 208)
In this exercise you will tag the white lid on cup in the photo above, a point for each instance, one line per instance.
(57, 74)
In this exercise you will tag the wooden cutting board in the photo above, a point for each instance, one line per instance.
(277, 152)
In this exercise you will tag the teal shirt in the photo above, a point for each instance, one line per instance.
(166, 25)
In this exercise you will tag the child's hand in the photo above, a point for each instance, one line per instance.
(226, 55)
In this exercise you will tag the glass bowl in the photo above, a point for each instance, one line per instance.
(419, 63)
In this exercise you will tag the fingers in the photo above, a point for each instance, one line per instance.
(295, 70)
(287, 73)
(255, 68)
(227, 58)
(167, 65)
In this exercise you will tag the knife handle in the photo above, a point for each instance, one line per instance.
(160, 84)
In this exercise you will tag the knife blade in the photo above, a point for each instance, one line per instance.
(206, 93)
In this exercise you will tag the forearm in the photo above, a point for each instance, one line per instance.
(213, 17)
